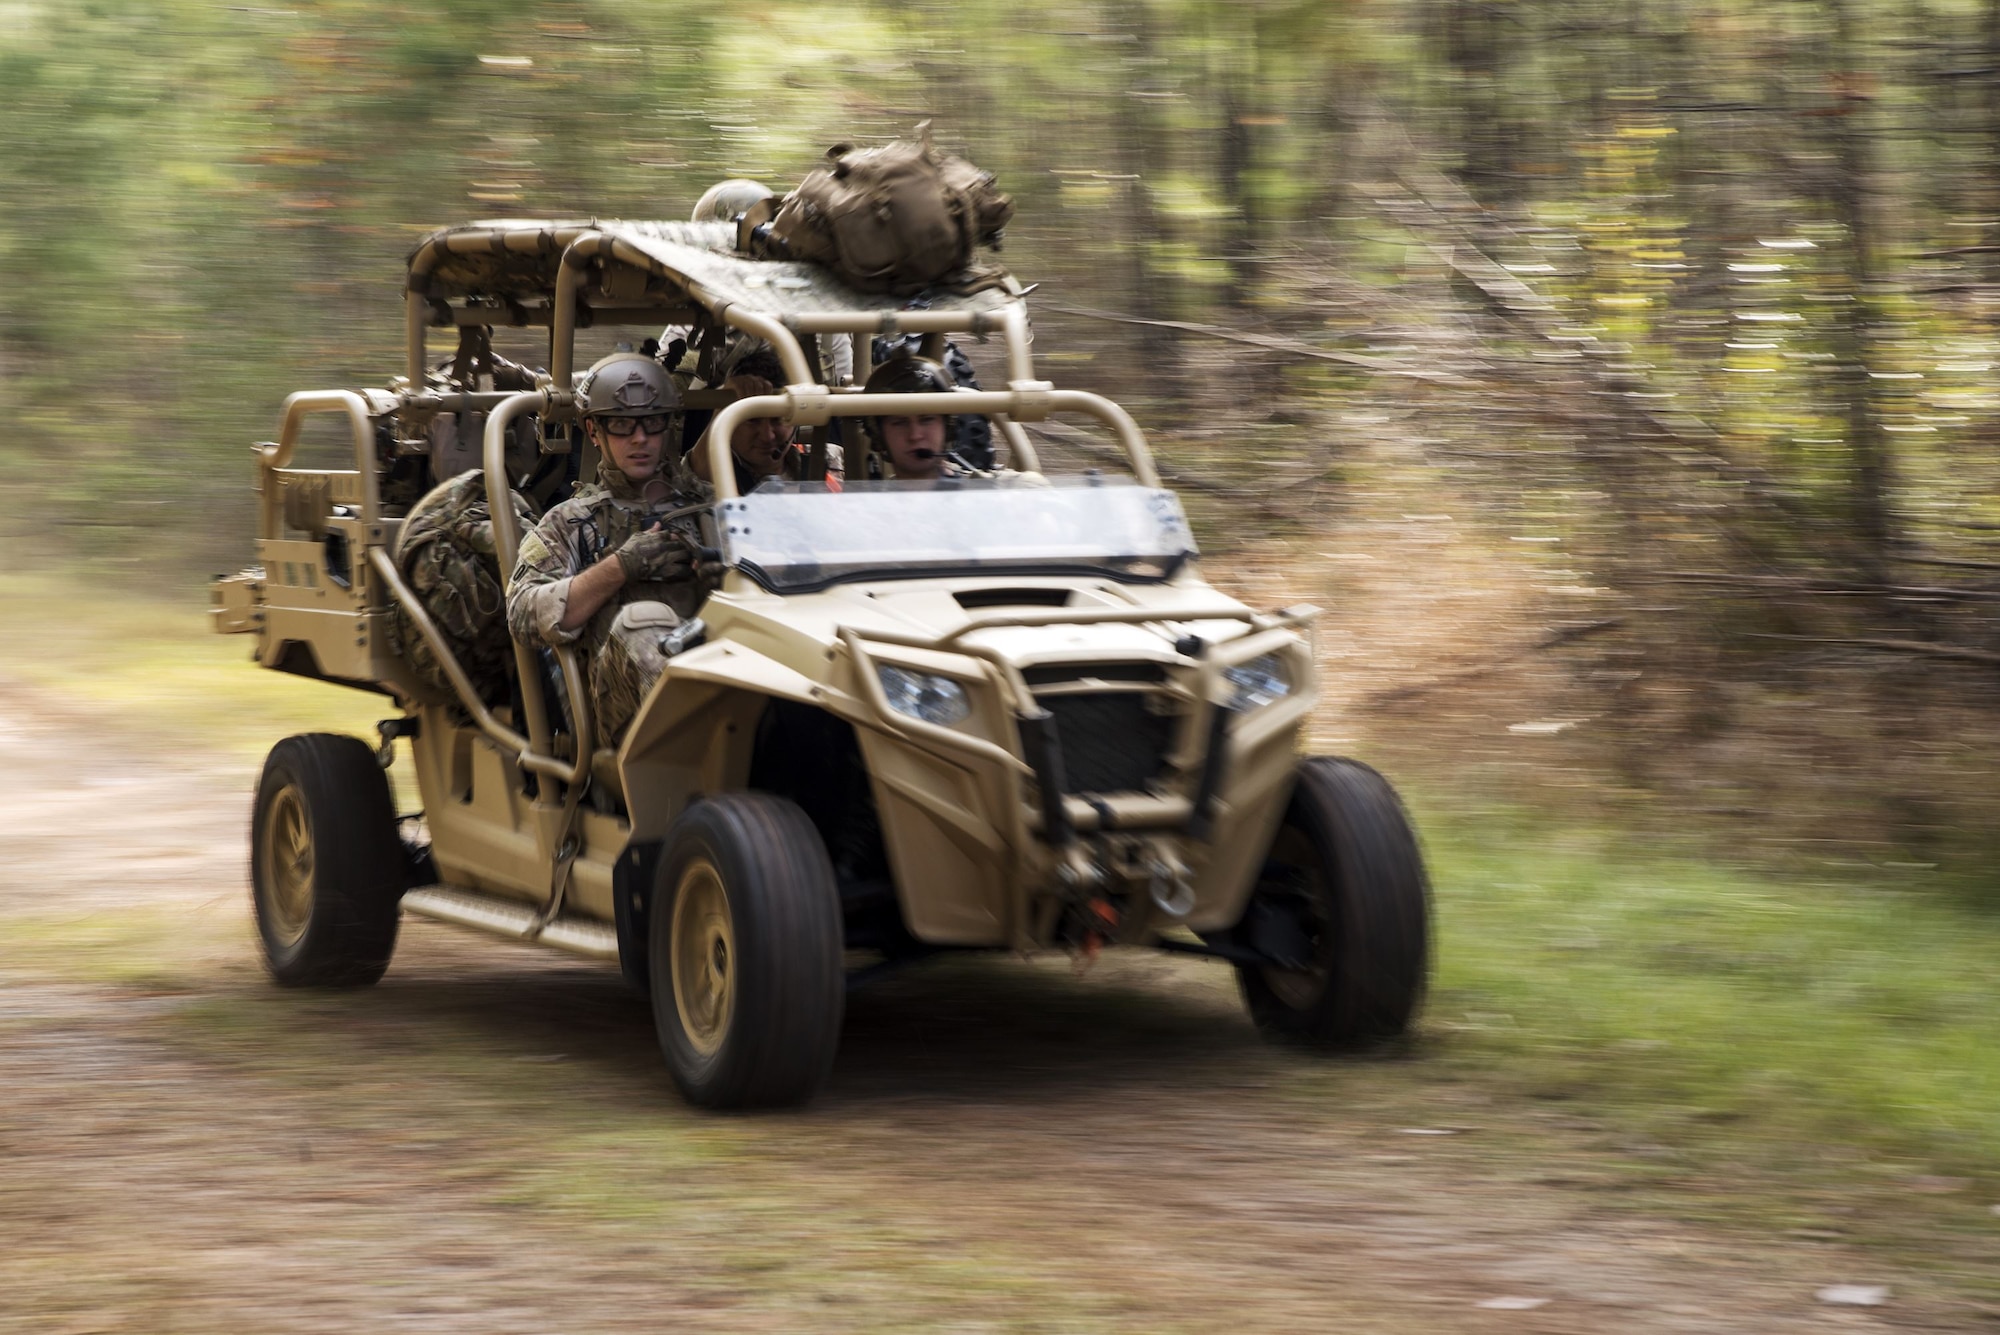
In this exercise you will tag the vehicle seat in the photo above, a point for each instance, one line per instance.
(604, 773)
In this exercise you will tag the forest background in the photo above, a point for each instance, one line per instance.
(1654, 345)
(1622, 380)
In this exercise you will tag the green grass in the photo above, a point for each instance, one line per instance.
(1721, 1004)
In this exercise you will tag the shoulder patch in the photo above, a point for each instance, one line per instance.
(533, 550)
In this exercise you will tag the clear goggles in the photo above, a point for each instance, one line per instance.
(653, 425)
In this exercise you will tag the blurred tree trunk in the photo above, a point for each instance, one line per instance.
(1470, 37)
(1855, 334)
(1141, 156)
(1990, 156)
(1345, 93)
(1232, 166)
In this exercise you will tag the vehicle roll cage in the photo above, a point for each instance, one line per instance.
(519, 274)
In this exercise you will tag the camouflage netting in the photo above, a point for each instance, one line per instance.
(517, 260)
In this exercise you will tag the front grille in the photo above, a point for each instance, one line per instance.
(1111, 743)
(1063, 674)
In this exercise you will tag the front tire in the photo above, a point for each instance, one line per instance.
(1344, 902)
(327, 868)
(745, 953)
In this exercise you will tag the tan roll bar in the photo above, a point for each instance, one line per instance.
(1010, 322)
(569, 277)
(1031, 405)
(291, 420)
(507, 547)
(1019, 448)
(791, 355)
(581, 243)
(416, 297)
(392, 580)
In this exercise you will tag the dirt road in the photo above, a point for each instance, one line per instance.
(487, 1142)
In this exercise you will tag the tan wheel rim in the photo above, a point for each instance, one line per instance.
(1298, 989)
(288, 867)
(704, 957)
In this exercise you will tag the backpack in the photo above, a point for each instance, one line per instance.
(892, 219)
(445, 553)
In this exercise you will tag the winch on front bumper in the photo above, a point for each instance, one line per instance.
(1135, 793)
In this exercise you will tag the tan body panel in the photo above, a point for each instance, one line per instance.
(951, 866)
(959, 826)
(488, 834)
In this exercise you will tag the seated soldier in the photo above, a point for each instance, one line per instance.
(761, 447)
(911, 448)
(615, 566)
(763, 365)
(970, 439)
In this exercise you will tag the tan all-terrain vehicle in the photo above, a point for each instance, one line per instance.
(995, 713)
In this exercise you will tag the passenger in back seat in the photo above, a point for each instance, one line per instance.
(762, 447)
(615, 567)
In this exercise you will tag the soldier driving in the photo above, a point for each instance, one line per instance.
(911, 447)
(614, 566)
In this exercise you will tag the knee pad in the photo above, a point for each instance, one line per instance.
(641, 618)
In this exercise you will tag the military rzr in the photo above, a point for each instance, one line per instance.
(998, 711)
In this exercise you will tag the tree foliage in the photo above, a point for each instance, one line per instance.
(1707, 285)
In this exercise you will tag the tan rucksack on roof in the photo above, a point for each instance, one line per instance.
(892, 219)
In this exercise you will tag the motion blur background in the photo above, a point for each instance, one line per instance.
(1623, 379)
(1676, 319)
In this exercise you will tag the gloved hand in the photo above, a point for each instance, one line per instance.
(656, 555)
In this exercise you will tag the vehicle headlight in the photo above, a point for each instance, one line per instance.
(924, 695)
(1258, 682)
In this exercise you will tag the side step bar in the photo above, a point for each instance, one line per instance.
(511, 918)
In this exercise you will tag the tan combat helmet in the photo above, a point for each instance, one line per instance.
(627, 384)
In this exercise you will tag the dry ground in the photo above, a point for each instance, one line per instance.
(487, 1141)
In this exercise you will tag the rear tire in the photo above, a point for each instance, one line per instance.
(327, 866)
(745, 953)
(1344, 891)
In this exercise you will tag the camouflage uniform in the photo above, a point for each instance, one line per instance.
(622, 641)
(445, 552)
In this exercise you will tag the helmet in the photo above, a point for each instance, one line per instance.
(726, 201)
(904, 374)
(626, 384)
(971, 434)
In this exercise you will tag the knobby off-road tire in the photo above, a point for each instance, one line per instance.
(745, 952)
(1345, 861)
(327, 868)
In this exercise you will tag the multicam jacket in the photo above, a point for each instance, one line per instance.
(575, 536)
(445, 551)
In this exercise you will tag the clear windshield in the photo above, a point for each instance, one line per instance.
(797, 537)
